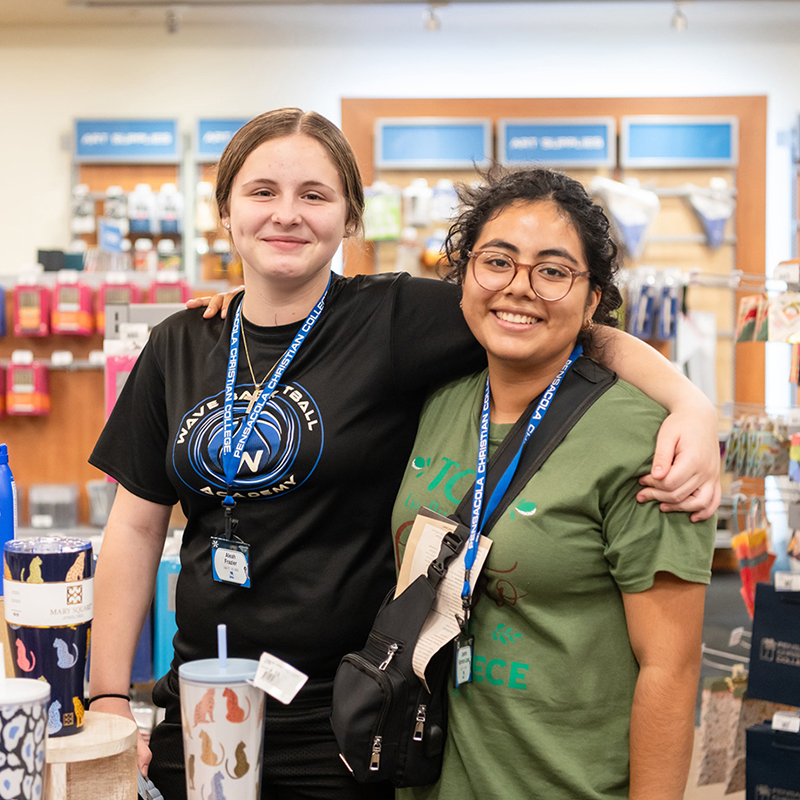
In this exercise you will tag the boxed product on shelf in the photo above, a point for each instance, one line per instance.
(53, 505)
(27, 386)
(31, 309)
(72, 306)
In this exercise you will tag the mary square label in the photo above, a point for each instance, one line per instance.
(41, 605)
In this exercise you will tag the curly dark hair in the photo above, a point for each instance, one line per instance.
(501, 188)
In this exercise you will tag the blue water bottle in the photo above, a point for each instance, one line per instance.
(8, 502)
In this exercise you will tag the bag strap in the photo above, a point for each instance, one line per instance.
(580, 388)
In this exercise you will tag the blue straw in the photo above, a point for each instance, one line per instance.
(222, 645)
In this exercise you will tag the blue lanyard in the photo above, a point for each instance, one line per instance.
(232, 454)
(478, 521)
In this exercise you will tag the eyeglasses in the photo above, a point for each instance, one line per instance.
(495, 271)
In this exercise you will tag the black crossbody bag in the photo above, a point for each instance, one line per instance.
(387, 725)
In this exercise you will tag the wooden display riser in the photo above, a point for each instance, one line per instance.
(98, 762)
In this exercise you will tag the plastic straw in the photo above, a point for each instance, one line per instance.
(222, 645)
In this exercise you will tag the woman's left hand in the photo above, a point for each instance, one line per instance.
(686, 464)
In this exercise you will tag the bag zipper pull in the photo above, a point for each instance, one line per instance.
(420, 726)
(375, 761)
(389, 655)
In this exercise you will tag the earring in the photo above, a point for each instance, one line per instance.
(588, 325)
(227, 225)
(461, 304)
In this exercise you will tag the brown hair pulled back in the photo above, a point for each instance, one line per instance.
(282, 122)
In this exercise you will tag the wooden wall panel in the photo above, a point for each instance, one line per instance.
(358, 120)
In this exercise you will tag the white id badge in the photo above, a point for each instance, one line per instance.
(230, 561)
(463, 660)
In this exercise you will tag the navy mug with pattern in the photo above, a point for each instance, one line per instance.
(48, 588)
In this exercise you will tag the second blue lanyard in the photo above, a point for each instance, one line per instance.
(479, 514)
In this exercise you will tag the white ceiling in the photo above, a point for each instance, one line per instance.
(92, 13)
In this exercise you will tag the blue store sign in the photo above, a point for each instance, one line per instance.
(213, 135)
(678, 141)
(578, 142)
(131, 141)
(432, 143)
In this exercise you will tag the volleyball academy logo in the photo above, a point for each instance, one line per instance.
(281, 454)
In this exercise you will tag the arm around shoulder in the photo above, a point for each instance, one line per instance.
(686, 464)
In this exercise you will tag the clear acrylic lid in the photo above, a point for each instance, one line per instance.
(208, 670)
(48, 544)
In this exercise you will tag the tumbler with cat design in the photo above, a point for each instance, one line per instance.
(49, 593)
(223, 728)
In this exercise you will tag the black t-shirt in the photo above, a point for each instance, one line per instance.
(320, 472)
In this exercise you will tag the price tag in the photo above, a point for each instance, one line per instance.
(22, 357)
(787, 582)
(278, 679)
(61, 358)
(786, 721)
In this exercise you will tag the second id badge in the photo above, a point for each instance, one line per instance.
(462, 661)
(230, 561)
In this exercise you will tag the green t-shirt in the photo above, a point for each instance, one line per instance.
(548, 712)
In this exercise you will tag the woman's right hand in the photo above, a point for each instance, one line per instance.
(122, 708)
(216, 304)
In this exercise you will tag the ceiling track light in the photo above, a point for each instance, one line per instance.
(173, 20)
(430, 19)
(679, 21)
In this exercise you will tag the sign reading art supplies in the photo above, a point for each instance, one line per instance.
(567, 142)
(213, 136)
(144, 141)
(432, 143)
(678, 141)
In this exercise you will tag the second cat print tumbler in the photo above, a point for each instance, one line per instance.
(49, 593)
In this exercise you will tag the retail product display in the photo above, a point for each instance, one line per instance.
(23, 709)
(31, 309)
(116, 289)
(72, 306)
(632, 209)
(82, 216)
(775, 655)
(27, 385)
(653, 302)
(757, 446)
(168, 256)
(205, 214)
(169, 289)
(164, 625)
(145, 256)
(115, 208)
(169, 209)
(772, 758)
(142, 211)
(223, 727)
(53, 505)
(48, 609)
(714, 206)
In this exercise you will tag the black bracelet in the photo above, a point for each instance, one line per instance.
(103, 696)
